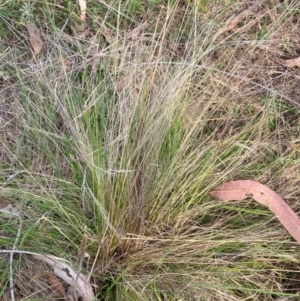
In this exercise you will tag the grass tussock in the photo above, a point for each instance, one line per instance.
(111, 141)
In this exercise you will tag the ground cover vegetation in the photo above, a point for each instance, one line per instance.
(116, 121)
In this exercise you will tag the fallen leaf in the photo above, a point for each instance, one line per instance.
(292, 62)
(79, 282)
(56, 283)
(34, 38)
(4, 204)
(236, 20)
(82, 5)
(240, 190)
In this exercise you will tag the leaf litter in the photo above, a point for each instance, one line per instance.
(35, 39)
(233, 24)
(242, 189)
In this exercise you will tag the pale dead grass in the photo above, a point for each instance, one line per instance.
(249, 60)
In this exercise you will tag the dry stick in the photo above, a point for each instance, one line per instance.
(80, 257)
(11, 257)
(68, 274)
(31, 253)
(13, 251)
(59, 267)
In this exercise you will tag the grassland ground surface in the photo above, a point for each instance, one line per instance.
(115, 123)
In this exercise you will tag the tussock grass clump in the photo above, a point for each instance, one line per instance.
(116, 138)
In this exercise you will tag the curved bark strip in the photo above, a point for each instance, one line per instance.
(240, 190)
(79, 282)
